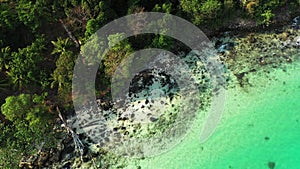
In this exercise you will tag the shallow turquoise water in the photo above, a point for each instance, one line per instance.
(260, 124)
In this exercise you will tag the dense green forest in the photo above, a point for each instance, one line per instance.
(41, 39)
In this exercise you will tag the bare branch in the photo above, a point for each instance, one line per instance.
(70, 34)
(78, 144)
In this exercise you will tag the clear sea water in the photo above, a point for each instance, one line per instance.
(260, 125)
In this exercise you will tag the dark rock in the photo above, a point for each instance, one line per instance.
(85, 159)
(147, 101)
(296, 22)
(271, 165)
(152, 119)
(42, 158)
(67, 165)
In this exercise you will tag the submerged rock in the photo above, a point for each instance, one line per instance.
(271, 165)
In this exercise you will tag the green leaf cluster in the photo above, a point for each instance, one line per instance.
(119, 49)
(28, 108)
(63, 73)
(30, 119)
(201, 10)
(23, 66)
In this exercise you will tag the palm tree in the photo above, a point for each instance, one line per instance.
(4, 84)
(18, 80)
(61, 45)
(5, 57)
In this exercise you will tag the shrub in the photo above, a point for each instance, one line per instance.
(201, 10)
(23, 65)
(105, 15)
(267, 16)
(118, 50)
(166, 8)
(210, 8)
(25, 107)
(8, 17)
(63, 74)
(32, 13)
(162, 42)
